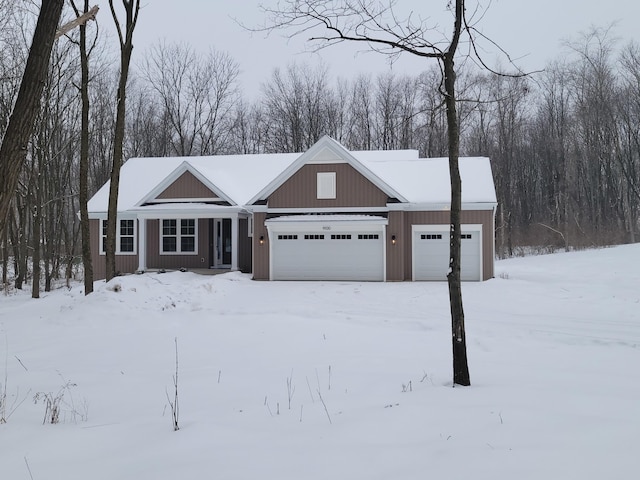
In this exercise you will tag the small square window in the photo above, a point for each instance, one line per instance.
(169, 227)
(188, 227)
(169, 244)
(187, 244)
(126, 244)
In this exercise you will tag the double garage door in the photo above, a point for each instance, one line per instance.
(327, 251)
(431, 252)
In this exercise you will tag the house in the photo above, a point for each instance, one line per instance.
(325, 214)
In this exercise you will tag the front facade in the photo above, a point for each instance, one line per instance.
(326, 214)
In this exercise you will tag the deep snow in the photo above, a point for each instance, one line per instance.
(554, 351)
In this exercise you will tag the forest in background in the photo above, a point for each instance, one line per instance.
(564, 143)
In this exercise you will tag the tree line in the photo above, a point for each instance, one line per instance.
(564, 143)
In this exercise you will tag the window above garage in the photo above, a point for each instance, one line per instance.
(326, 182)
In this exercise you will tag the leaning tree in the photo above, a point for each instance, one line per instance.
(378, 26)
(14, 148)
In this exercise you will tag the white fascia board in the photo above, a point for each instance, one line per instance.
(173, 176)
(435, 207)
(464, 228)
(181, 200)
(185, 211)
(321, 210)
(375, 225)
(128, 215)
(341, 155)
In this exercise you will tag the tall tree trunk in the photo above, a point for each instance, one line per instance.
(126, 47)
(458, 336)
(84, 158)
(13, 151)
(37, 222)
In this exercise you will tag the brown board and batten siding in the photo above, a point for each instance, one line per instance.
(484, 217)
(186, 186)
(352, 189)
(260, 252)
(124, 263)
(156, 260)
(396, 253)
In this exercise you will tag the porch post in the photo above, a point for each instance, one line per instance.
(142, 244)
(234, 242)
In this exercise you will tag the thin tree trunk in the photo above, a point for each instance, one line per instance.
(458, 336)
(37, 222)
(84, 159)
(126, 47)
(13, 151)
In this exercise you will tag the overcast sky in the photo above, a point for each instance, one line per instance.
(532, 31)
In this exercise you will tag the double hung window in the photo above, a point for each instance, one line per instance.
(125, 237)
(178, 236)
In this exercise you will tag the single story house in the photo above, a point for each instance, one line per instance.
(325, 214)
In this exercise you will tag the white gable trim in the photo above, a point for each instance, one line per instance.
(173, 176)
(434, 207)
(326, 150)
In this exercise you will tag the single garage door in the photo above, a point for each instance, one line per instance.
(327, 251)
(431, 252)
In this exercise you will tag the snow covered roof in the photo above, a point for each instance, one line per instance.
(237, 177)
(242, 179)
(426, 180)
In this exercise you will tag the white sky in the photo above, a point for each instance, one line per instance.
(530, 30)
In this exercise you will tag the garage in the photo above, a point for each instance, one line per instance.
(327, 247)
(430, 252)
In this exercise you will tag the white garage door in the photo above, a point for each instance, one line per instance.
(431, 252)
(327, 252)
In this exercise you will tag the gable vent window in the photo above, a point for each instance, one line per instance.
(178, 236)
(326, 185)
(125, 237)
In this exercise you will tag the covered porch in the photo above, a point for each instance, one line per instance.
(193, 236)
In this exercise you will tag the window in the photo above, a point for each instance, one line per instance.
(179, 236)
(326, 183)
(368, 236)
(314, 237)
(125, 237)
(341, 237)
(466, 236)
(431, 236)
(287, 237)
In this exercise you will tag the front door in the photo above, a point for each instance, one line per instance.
(222, 244)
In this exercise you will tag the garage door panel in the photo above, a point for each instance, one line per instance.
(431, 255)
(346, 256)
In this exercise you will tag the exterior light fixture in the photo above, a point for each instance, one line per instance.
(393, 239)
(261, 240)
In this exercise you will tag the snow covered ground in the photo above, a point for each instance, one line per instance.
(554, 351)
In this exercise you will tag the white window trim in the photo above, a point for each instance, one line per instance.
(103, 234)
(326, 185)
(178, 237)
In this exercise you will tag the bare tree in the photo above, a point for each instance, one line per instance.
(377, 25)
(125, 37)
(196, 94)
(14, 144)
(295, 104)
(84, 151)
